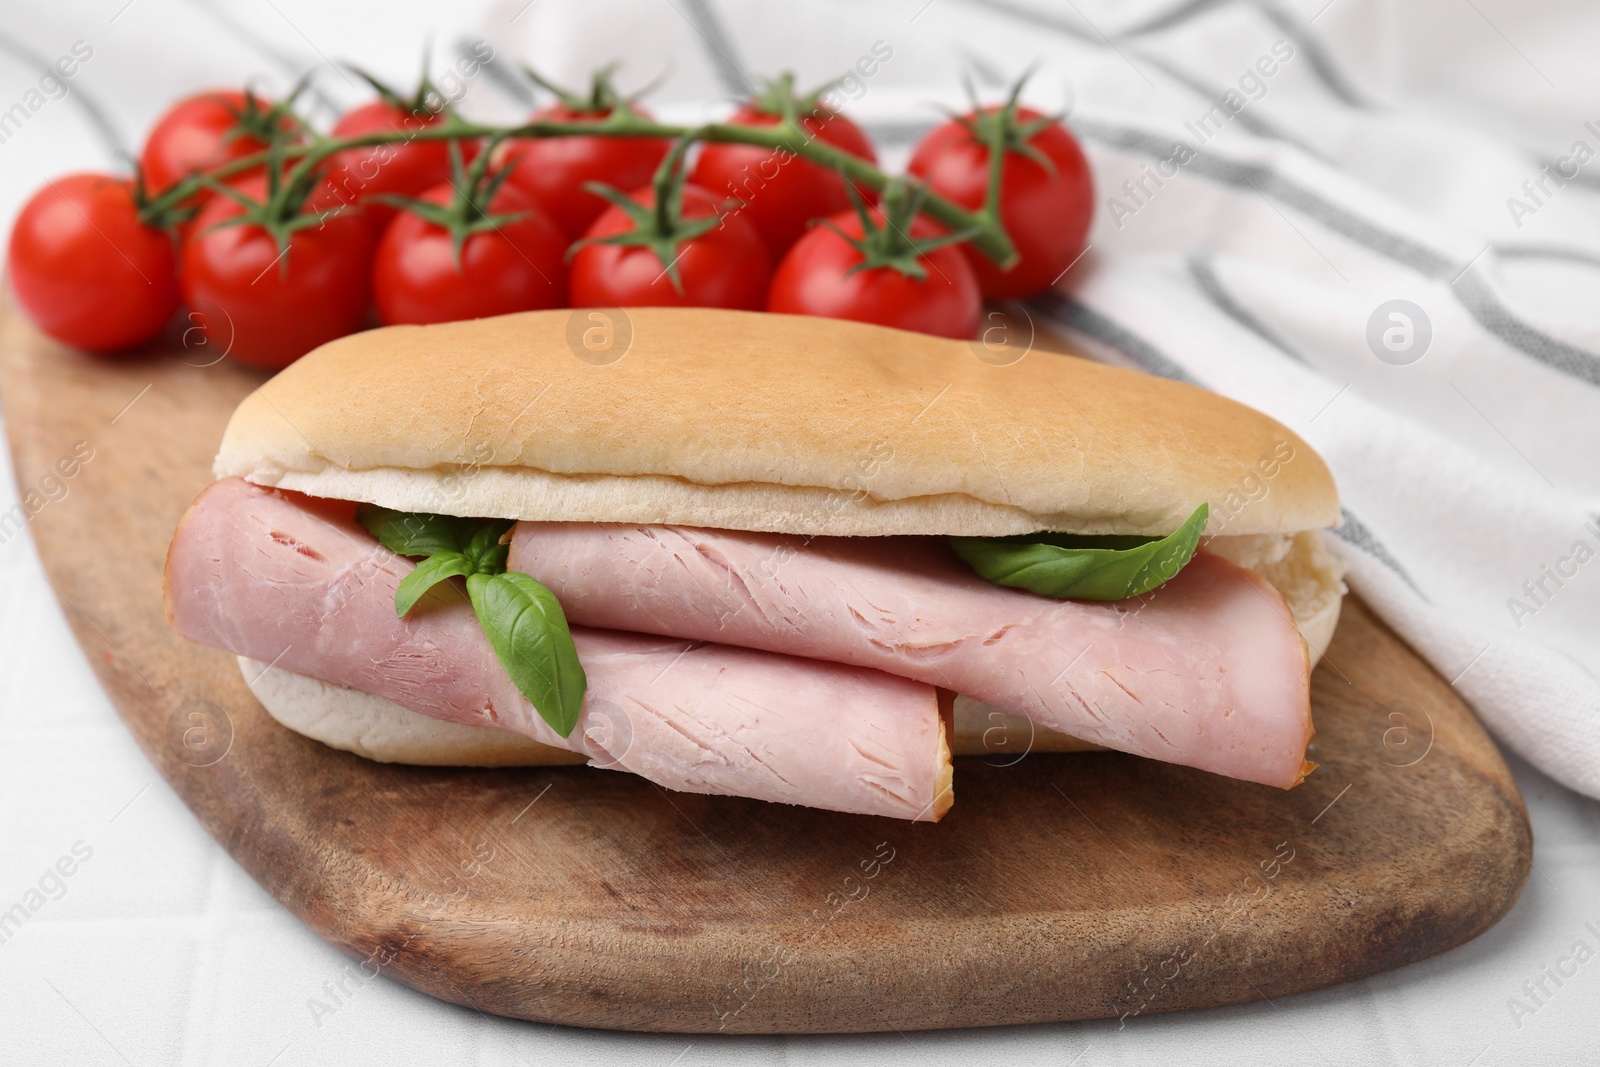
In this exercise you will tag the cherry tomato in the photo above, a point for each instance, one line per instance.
(552, 170)
(515, 266)
(816, 278)
(725, 267)
(267, 308)
(781, 192)
(405, 168)
(86, 270)
(1046, 214)
(197, 133)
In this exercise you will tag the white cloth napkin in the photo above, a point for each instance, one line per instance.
(1373, 151)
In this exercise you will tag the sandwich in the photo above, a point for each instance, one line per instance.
(794, 559)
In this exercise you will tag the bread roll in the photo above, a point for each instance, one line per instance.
(748, 421)
(753, 421)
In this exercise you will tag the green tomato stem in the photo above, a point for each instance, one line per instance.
(989, 237)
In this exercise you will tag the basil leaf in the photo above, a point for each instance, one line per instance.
(1074, 567)
(484, 552)
(529, 632)
(522, 619)
(429, 573)
(415, 534)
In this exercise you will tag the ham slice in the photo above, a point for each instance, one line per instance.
(1208, 671)
(297, 583)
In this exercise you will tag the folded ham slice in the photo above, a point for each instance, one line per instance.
(298, 584)
(1207, 671)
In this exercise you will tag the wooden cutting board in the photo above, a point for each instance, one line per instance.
(1059, 887)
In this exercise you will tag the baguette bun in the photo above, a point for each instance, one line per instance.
(754, 421)
(747, 421)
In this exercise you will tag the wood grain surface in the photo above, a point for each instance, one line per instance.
(1059, 887)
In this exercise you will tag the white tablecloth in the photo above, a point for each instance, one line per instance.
(157, 949)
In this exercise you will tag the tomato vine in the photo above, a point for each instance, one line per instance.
(987, 234)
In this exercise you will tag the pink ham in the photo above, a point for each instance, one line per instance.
(299, 584)
(1207, 671)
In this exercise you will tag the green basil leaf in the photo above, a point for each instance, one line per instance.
(415, 534)
(484, 552)
(522, 619)
(529, 632)
(429, 573)
(1073, 567)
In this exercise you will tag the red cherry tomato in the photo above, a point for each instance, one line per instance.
(1047, 215)
(86, 270)
(816, 278)
(726, 267)
(197, 133)
(782, 193)
(517, 266)
(552, 170)
(405, 168)
(267, 308)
